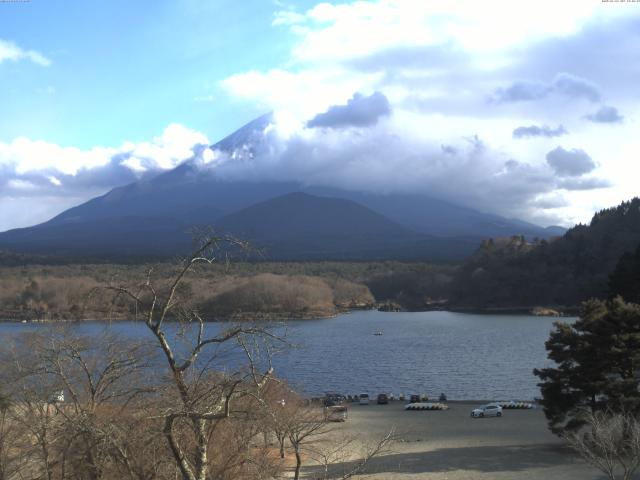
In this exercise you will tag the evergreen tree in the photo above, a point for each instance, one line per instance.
(625, 279)
(597, 364)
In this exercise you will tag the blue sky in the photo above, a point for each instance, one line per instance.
(525, 109)
(122, 70)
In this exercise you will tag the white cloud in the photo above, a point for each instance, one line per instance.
(437, 63)
(395, 156)
(353, 29)
(45, 176)
(302, 93)
(54, 181)
(11, 51)
(25, 156)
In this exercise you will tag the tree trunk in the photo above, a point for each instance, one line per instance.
(178, 455)
(201, 451)
(296, 475)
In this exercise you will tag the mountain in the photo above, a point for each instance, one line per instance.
(294, 226)
(514, 272)
(436, 217)
(152, 217)
(333, 228)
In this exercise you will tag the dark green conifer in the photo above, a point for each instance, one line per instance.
(597, 364)
(625, 279)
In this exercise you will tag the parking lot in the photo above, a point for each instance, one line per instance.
(452, 445)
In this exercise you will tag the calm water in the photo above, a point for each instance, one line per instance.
(465, 356)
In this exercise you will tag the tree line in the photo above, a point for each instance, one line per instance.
(564, 272)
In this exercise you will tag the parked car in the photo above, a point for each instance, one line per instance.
(333, 398)
(383, 399)
(490, 410)
(414, 399)
(363, 399)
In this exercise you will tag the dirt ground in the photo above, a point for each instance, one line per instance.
(450, 445)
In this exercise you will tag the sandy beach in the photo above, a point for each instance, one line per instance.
(450, 445)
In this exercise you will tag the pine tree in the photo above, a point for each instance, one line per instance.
(597, 364)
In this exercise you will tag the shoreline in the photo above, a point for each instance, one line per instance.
(28, 317)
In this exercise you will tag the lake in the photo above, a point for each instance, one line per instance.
(466, 356)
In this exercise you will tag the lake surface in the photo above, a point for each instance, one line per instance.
(466, 356)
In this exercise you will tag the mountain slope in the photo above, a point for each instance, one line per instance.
(112, 238)
(436, 217)
(295, 226)
(567, 271)
(302, 226)
(160, 210)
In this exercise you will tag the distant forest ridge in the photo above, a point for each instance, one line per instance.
(562, 272)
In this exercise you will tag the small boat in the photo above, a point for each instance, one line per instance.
(377, 333)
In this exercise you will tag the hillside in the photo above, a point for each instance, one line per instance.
(294, 226)
(514, 272)
(300, 226)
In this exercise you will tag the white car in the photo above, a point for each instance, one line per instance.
(363, 399)
(490, 410)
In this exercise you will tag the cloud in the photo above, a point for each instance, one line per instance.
(605, 114)
(413, 57)
(581, 184)
(302, 93)
(602, 51)
(550, 201)
(576, 87)
(360, 111)
(284, 17)
(570, 163)
(435, 62)
(351, 29)
(388, 157)
(521, 91)
(10, 51)
(448, 149)
(564, 84)
(539, 131)
(35, 171)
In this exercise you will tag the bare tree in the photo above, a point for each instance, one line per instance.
(279, 406)
(344, 449)
(312, 436)
(202, 391)
(610, 442)
(307, 426)
(100, 378)
(30, 411)
(12, 462)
